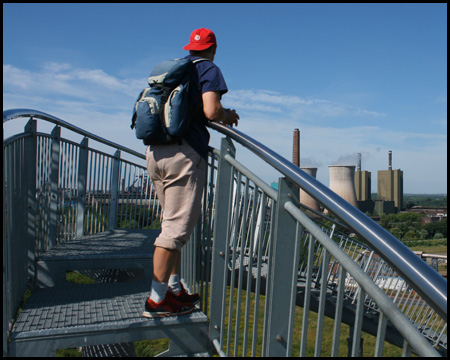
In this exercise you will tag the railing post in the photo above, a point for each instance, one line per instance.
(5, 261)
(114, 191)
(53, 190)
(221, 230)
(82, 181)
(283, 274)
(19, 225)
(29, 187)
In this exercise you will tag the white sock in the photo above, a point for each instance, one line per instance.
(158, 292)
(174, 284)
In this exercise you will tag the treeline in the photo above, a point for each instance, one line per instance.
(408, 226)
(412, 200)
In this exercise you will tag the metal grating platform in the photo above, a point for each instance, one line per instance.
(72, 305)
(114, 244)
(72, 315)
(107, 250)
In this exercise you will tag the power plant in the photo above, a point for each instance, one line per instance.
(355, 186)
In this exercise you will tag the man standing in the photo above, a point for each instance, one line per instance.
(178, 172)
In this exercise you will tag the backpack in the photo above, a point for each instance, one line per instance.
(161, 114)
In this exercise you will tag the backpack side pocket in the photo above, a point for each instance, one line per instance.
(148, 124)
(176, 111)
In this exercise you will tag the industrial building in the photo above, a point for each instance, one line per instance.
(363, 181)
(355, 186)
(390, 185)
(389, 190)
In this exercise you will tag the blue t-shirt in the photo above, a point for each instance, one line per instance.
(207, 77)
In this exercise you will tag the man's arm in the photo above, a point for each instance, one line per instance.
(214, 111)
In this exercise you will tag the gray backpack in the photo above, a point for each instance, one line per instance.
(161, 112)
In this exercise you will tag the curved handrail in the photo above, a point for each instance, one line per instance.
(17, 113)
(427, 282)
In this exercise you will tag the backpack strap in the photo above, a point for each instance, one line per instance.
(200, 60)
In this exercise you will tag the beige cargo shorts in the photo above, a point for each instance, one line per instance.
(178, 174)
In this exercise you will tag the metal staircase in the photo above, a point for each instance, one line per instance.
(255, 257)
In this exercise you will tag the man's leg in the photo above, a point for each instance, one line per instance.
(165, 263)
(174, 279)
(161, 303)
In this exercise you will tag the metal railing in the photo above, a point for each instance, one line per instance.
(55, 190)
(279, 255)
(268, 253)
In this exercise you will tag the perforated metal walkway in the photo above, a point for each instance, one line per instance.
(116, 249)
(72, 315)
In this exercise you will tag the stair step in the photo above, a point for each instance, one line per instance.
(107, 250)
(73, 315)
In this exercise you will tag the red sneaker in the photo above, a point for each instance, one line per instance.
(167, 307)
(185, 298)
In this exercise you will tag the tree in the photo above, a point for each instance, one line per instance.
(410, 235)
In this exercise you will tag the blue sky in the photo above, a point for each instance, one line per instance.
(354, 78)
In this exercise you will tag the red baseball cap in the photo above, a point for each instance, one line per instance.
(201, 39)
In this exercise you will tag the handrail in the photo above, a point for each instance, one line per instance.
(427, 282)
(17, 113)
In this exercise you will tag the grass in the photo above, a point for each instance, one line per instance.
(431, 249)
(149, 348)
(326, 345)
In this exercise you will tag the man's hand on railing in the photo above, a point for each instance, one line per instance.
(231, 117)
(215, 112)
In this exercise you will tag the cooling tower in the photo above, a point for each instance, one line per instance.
(305, 199)
(342, 182)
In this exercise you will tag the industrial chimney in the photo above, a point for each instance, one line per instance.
(342, 182)
(390, 160)
(305, 199)
(296, 148)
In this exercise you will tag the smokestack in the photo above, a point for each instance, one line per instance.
(342, 182)
(390, 160)
(359, 162)
(296, 148)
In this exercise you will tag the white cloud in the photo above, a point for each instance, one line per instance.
(301, 108)
(58, 80)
